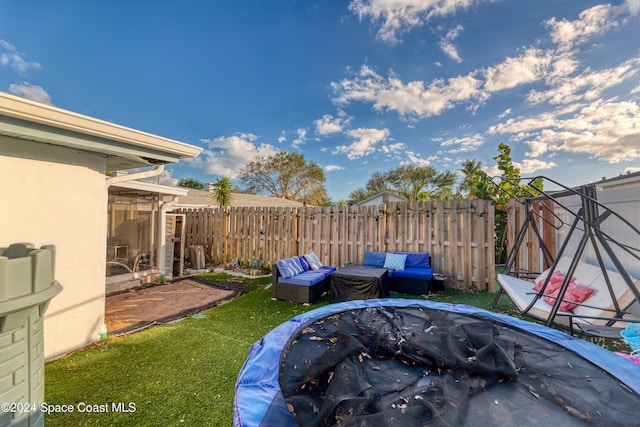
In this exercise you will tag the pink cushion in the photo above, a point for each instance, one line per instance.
(555, 281)
(575, 294)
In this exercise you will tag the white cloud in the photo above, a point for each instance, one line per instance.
(420, 100)
(166, 178)
(394, 151)
(302, 137)
(633, 6)
(9, 56)
(587, 86)
(228, 155)
(532, 65)
(465, 144)
(583, 122)
(565, 34)
(400, 16)
(505, 113)
(415, 159)
(365, 144)
(32, 92)
(604, 129)
(329, 124)
(413, 98)
(563, 65)
(282, 138)
(527, 167)
(595, 20)
(332, 168)
(446, 43)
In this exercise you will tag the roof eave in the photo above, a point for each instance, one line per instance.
(153, 188)
(23, 118)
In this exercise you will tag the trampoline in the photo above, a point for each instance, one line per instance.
(390, 362)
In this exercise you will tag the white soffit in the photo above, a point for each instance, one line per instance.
(152, 188)
(26, 119)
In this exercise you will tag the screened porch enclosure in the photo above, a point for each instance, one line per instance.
(132, 231)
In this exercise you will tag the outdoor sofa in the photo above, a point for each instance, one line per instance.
(300, 279)
(409, 272)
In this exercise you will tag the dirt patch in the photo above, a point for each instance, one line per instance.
(162, 303)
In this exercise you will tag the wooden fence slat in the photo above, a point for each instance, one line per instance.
(467, 241)
(458, 235)
(489, 216)
(480, 236)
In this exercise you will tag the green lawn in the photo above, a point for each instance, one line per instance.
(178, 374)
(183, 373)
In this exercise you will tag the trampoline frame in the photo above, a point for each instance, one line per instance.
(257, 387)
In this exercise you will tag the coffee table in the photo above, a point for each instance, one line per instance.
(358, 282)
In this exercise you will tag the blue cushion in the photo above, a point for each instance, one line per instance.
(284, 268)
(417, 259)
(308, 278)
(289, 267)
(325, 270)
(395, 261)
(313, 260)
(296, 264)
(374, 259)
(415, 273)
(304, 263)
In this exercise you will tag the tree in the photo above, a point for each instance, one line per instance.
(316, 197)
(287, 175)
(419, 183)
(223, 191)
(473, 176)
(509, 185)
(376, 184)
(479, 185)
(191, 183)
(416, 183)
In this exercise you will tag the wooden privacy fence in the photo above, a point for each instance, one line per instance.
(527, 230)
(459, 235)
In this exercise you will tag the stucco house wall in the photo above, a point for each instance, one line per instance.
(55, 195)
(54, 191)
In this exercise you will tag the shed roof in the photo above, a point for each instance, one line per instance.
(124, 148)
(386, 196)
(200, 198)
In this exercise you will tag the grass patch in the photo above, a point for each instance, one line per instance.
(178, 374)
(183, 373)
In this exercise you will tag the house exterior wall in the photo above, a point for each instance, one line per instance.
(58, 196)
(625, 201)
(372, 202)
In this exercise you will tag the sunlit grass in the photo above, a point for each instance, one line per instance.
(184, 373)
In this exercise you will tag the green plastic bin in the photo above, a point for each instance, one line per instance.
(27, 285)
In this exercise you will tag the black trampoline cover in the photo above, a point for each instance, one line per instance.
(415, 366)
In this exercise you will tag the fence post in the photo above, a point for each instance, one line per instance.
(459, 235)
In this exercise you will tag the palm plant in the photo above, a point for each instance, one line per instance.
(223, 195)
(223, 191)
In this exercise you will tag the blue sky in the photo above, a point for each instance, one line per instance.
(356, 86)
